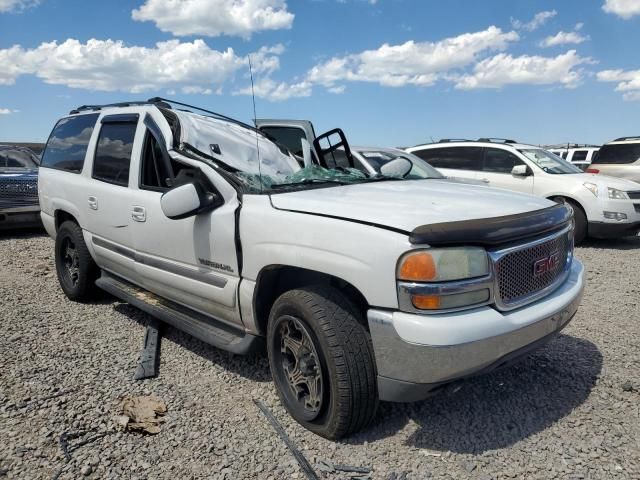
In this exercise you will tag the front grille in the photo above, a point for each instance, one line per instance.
(517, 277)
(634, 195)
(18, 191)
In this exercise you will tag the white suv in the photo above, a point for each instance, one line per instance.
(363, 288)
(620, 158)
(604, 206)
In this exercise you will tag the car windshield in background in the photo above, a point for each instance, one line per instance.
(17, 158)
(620, 153)
(549, 162)
(420, 169)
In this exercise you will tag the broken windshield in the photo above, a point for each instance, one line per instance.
(256, 161)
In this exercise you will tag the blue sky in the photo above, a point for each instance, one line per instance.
(389, 72)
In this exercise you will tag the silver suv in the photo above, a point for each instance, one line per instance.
(620, 158)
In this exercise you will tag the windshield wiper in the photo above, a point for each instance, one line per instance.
(309, 181)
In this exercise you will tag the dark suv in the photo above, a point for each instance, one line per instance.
(19, 206)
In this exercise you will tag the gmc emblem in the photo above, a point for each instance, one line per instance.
(544, 265)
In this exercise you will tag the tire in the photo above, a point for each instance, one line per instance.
(76, 270)
(337, 349)
(580, 232)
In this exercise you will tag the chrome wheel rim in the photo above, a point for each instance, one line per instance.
(299, 367)
(71, 261)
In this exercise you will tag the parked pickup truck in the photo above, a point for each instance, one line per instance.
(18, 188)
(363, 287)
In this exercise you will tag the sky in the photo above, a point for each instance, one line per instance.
(388, 72)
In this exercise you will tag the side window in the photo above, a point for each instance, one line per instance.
(67, 144)
(457, 158)
(500, 161)
(290, 137)
(579, 155)
(113, 153)
(155, 174)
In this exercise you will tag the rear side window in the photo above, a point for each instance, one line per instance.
(113, 153)
(618, 153)
(579, 155)
(457, 158)
(500, 161)
(67, 145)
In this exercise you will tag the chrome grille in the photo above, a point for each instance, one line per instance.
(18, 191)
(516, 280)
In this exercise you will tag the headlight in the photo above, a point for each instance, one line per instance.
(616, 194)
(592, 187)
(443, 264)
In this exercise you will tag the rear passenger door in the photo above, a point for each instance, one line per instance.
(454, 162)
(496, 171)
(108, 199)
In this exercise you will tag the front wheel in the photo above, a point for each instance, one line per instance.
(322, 361)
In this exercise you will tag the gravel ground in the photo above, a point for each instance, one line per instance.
(571, 410)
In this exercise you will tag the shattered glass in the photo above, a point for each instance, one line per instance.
(313, 174)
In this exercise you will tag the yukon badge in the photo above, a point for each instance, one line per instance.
(546, 264)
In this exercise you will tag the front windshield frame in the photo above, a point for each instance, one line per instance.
(556, 166)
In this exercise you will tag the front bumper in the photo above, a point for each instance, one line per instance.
(613, 230)
(416, 354)
(21, 217)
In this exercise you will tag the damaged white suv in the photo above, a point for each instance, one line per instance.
(364, 288)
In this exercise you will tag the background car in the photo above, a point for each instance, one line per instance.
(576, 154)
(19, 206)
(620, 158)
(604, 206)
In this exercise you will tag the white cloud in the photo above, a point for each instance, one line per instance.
(411, 63)
(17, 5)
(623, 8)
(538, 20)
(7, 111)
(338, 89)
(564, 38)
(215, 17)
(504, 69)
(628, 82)
(277, 91)
(113, 66)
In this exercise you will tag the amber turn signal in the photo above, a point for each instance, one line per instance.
(416, 267)
(426, 302)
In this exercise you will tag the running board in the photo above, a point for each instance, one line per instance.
(203, 327)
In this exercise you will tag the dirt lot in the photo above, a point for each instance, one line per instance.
(571, 410)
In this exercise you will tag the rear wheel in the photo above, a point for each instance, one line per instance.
(322, 362)
(75, 268)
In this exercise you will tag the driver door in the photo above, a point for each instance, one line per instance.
(192, 261)
(496, 171)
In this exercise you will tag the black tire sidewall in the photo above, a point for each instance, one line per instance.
(581, 228)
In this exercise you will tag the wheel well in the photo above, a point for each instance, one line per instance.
(273, 281)
(568, 200)
(61, 216)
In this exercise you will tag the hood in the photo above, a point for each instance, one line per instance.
(605, 181)
(405, 205)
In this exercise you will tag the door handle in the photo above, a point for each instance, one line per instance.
(485, 180)
(139, 214)
(93, 202)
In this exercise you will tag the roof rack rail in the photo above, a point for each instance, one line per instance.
(496, 140)
(451, 140)
(622, 139)
(165, 103)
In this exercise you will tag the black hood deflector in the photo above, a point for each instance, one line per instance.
(491, 232)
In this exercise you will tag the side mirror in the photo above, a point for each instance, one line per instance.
(188, 200)
(398, 168)
(520, 171)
